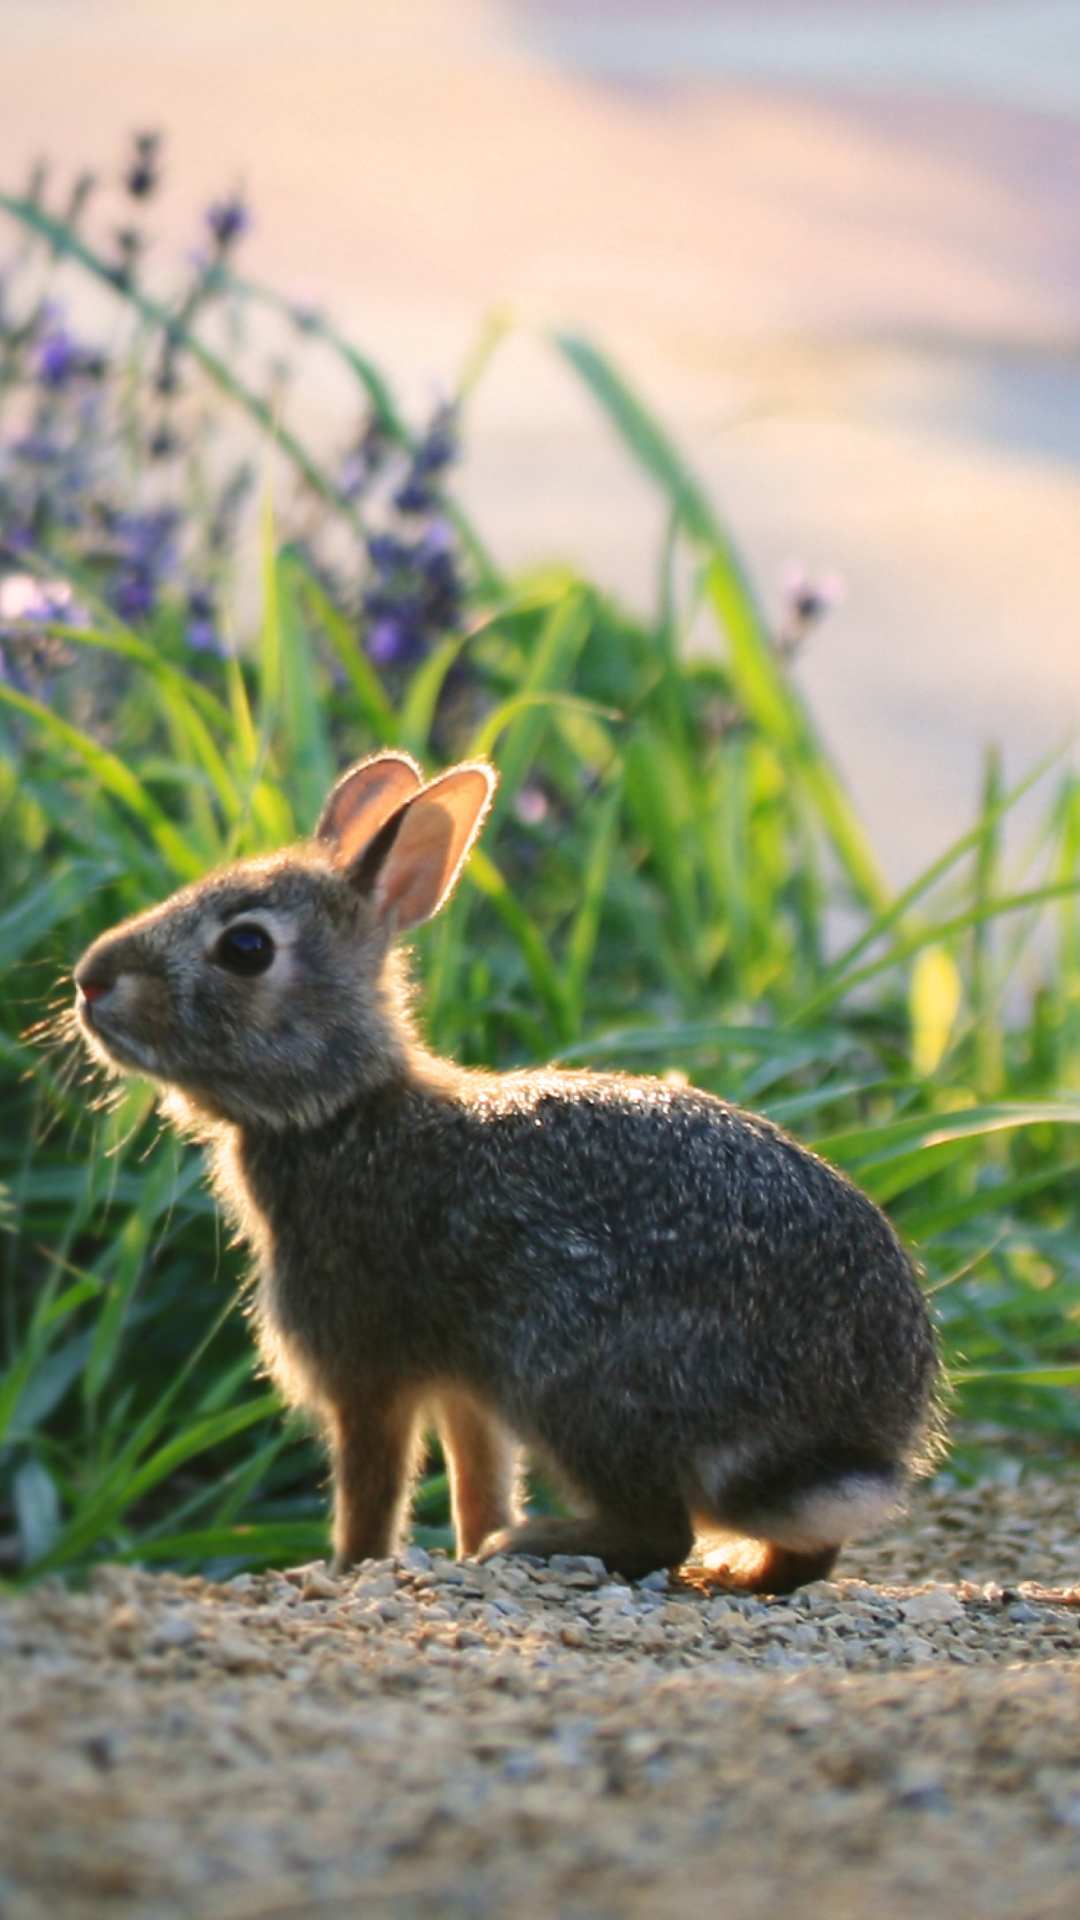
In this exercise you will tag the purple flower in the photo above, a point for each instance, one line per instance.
(531, 806)
(386, 553)
(421, 488)
(143, 173)
(352, 477)
(442, 590)
(392, 641)
(415, 595)
(29, 655)
(44, 603)
(133, 595)
(807, 598)
(148, 536)
(438, 539)
(414, 496)
(129, 244)
(227, 221)
(202, 630)
(57, 359)
(37, 448)
(163, 442)
(61, 359)
(360, 467)
(146, 554)
(435, 560)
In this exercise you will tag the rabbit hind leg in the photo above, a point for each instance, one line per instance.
(759, 1566)
(482, 1465)
(784, 1523)
(630, 1545)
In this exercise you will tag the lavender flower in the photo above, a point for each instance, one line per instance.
(202, 628)
(146, 554)
(421, 490)
(532, 805)
(362, 465)
(69, 484)
(60, 359)
(37, 448)
(129, 245)
(28, 601)
(28, 655)
(436, 561)
(142, 175)
(57, 359)
(163, 442)
(227, 221)
(395, 639)
(415, 595)
(388, 554)
(807, 598)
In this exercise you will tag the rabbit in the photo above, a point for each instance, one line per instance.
(695, 1323)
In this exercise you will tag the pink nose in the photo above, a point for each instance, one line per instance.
(94, 989)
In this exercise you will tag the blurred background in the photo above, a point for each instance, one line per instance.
(836, 246)
(835, 251)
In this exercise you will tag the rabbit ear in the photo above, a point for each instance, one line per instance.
(363, 801)
(413, 865)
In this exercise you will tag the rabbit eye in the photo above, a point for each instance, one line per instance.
(245, 949)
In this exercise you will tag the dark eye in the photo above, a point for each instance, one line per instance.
(245, 949)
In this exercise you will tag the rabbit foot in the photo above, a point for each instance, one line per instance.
(623, 1548)
(756, 1566)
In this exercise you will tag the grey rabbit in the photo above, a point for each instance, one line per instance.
(694, 1322)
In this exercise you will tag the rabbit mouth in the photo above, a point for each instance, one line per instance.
(131, 1053)
(119, 1048)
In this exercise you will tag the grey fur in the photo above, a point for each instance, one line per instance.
(694, 1321)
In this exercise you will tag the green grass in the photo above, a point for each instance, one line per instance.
(659, 889)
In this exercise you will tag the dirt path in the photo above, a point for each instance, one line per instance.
(433, 1740)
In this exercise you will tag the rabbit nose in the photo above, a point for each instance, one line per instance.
(94, 978)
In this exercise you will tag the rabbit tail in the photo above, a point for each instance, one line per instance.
(783, 1522)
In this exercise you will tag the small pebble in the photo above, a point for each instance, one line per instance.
(319, 1586)
(937, 1607)
(175, 1629)
(239, 1653)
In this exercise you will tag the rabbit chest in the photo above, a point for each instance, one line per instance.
(334, 1283)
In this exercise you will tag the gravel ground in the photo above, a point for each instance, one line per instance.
(431, 1739)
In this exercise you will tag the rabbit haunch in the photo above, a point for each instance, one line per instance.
(695, 1323)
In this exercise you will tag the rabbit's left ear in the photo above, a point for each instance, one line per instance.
(411, 866)
(362, 802)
